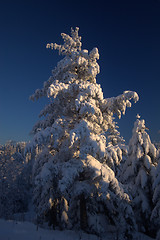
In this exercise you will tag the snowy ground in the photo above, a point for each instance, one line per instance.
(13, 230)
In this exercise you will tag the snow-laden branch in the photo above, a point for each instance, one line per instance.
(71, 44)
(117, 105)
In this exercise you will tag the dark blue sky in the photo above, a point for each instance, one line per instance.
(127, 34)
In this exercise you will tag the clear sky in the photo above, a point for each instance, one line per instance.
(127, 34)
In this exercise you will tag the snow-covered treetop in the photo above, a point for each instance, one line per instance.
(77, 64)
(76, 99)
(72, 44)
(141, 137)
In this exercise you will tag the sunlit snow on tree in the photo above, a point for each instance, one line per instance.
(74, 184)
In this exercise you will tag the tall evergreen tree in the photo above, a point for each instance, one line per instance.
(138, 173)
(74, 186)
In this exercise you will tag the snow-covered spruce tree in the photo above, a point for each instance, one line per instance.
(155, 216)
(74, 186)
(138, 173)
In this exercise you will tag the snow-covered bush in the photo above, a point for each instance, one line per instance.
(74, 184)
(138, 173)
